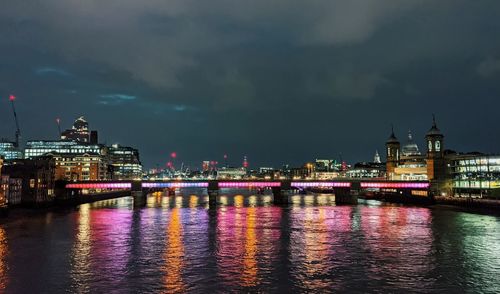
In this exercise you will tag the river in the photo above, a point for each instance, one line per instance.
(247, 244)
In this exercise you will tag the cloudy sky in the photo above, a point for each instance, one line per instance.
(281, 81)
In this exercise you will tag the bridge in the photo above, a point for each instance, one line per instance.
(345, 190)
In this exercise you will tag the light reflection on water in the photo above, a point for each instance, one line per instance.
(177, 244)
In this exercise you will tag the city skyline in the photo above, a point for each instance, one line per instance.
(275, 85)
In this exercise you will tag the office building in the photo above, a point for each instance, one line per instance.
(125, 162)
(9, 151)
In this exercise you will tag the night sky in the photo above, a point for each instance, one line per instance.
(281, 81)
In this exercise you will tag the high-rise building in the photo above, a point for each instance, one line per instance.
(125, 162)
(94, 137)
(79, 132)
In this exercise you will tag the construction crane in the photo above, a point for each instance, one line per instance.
(18, 132)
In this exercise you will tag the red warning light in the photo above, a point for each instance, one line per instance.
(12, 97)
(173, 155)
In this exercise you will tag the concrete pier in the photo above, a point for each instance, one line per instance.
(213, 192)
(344, 196)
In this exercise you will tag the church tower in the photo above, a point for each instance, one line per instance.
(436, 167)
(393, 152)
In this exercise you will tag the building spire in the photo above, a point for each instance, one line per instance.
(392, 137)
(376, 159)
(434, 129)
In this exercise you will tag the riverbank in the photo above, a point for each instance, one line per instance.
(469, 204)
(474, 205)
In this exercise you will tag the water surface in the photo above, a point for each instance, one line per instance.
(178, 244)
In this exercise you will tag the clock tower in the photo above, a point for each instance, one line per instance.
(436, 167)
(393, 149)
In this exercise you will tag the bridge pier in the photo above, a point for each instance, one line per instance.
(170, 192)
(280, 194)
(213, 192)
(138, 194)
(344, 196)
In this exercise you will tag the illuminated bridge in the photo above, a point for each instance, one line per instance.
(345, 190)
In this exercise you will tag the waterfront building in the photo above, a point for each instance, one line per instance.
(9, 151)
(80, 167)
(3, 186)
(74, 160)
(79, 131)
(436, 162)
(11, 189)
(125, 162)
(475, 174)
(37, 178)
(326, 175)
(366, 170)
(406, 163)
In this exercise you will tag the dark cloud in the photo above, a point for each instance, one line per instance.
(280, 81)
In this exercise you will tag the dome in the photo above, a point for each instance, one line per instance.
(410, 148)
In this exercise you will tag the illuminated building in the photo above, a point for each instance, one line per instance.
(79, 132)
(80, 167)
(436, 164)
(9, 151)
(231, 173)
(376, 158)
(125, 162)
(37, 177)
(3, 186)
(475, 174)
(406, 163)
(325, 165)
(41, 147)
(205, 165)
(74, 160)
(366, 170)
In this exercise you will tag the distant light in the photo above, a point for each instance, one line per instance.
(12, 97)
(173, 155)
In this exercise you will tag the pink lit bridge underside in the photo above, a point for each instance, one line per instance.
(250, 184)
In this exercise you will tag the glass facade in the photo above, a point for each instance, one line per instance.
(476, 175)
(9, 152)
(39, 148)
(125, 162)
